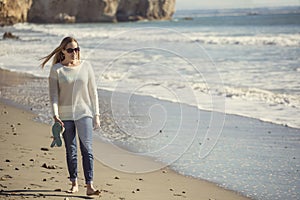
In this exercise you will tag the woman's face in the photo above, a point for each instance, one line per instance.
(71, 51)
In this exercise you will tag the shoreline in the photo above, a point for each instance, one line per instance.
(22, 76)
(254, 152)
(231, 159)
(22, 174)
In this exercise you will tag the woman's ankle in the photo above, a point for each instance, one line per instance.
(74, 183)
(89, 186)
(74, 187)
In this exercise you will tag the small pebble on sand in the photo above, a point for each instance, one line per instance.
(44, 149)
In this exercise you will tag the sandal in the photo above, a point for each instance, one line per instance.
(57, 130)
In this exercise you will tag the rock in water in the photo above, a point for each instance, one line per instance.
(65, 18)
(9, 35)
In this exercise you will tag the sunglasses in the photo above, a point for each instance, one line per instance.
(70, 50)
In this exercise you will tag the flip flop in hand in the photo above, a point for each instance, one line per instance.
(57, 131)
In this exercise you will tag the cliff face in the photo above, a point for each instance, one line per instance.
(145, 9)
(67, 11)
(13, 11)
(57, 11)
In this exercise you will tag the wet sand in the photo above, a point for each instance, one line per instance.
(30, 169)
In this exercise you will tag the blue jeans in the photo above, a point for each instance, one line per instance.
(84, 127)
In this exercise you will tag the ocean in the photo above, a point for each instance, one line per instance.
(233, 64)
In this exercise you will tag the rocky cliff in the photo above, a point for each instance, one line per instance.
(57, 11)
(145, 9)
(67, 11)
(13, 11)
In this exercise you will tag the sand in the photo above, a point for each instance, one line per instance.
(31, 169)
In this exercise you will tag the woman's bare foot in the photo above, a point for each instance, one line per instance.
(91, 190)
(74, 187)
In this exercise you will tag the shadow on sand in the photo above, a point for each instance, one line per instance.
(39, 193)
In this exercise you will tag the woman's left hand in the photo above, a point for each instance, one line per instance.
(96, 122)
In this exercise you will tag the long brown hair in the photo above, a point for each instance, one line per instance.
(57, 52)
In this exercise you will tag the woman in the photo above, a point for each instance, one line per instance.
(74, 100)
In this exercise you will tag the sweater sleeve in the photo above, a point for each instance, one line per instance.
(92, 87)
(53, 90)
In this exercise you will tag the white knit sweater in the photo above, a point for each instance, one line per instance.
(73, 91)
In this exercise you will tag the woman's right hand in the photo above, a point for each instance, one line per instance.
(57, 119)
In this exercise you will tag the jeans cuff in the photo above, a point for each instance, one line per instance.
(73, 179)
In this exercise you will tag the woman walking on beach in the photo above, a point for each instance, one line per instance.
(74, 102)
